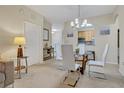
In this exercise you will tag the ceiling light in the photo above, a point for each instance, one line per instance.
(54, 30)
(78, 24)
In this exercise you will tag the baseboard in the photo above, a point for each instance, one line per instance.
(121, 68)
(109, 62)
(122, 73)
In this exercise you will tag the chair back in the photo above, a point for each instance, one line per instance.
(105, 53)
(81, 49)
(68, 57)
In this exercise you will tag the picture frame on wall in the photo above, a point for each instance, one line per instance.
(70, 35)
(105, 30)
(45, 34)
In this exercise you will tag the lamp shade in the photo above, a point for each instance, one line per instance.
(19, 40)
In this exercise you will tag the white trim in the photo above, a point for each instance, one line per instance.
(121, 71)
(121, 68)
(109, 62)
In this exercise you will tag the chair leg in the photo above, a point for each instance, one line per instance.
(104, 76)
(100, 77)
(89, 71)
(66, 76)
(9, 86)
(13, 85)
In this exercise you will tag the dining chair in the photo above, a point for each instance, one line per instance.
(81, 49)
(98, 66)
(70, 65)
(79, 56)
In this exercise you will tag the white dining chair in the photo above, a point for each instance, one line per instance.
(69, 63)
(81, 48)
(98, 66)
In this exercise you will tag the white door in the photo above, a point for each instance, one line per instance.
(33, 47)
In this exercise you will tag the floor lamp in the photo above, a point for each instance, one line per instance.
(20, 40)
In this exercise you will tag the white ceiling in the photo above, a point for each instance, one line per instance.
(58, 14)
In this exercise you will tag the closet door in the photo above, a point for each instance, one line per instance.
(33, 47)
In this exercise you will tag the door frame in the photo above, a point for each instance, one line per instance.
(118, 45)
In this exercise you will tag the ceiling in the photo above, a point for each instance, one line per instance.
(58, 14)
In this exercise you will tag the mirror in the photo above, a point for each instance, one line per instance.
(46, 34)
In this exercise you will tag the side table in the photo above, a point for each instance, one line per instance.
(20, 67)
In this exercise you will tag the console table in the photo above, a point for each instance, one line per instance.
(48, 53)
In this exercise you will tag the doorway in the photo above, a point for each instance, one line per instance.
(118, 45)
(56, 43)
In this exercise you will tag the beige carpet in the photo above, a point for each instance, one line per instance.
(49, 75)
(40, 76)
(113, 79)
(71, 79)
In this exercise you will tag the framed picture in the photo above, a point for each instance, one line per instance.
(105, 30)
(46, 34)
(70, 35)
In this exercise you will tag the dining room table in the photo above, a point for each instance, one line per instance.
(83, 59)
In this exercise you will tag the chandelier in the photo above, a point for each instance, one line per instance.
(78, 23)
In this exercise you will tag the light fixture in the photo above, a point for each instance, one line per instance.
(20, 40)
(78, 24)
(53, 32)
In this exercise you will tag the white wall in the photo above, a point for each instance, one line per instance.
(12, 20)
(100, 40)
(48, 26)
(69, 40)
(112, 39)
(120, 13)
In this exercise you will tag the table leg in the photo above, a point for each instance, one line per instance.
(85, 61)
(94, 56)
(19, 66)
(82, 70)
(85, 58)
(26, 65)
(53, 53)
